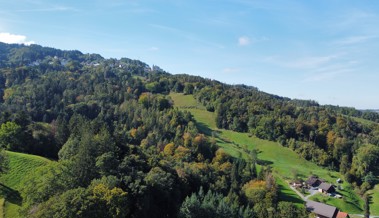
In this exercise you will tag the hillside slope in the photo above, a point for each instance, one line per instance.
(114, 126)
(20, 165)
(284, 161)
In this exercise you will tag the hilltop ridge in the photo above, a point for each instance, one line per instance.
(114, 129)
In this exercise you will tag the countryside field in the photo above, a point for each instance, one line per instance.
(284, 161)
(19, 167)
(374, 206)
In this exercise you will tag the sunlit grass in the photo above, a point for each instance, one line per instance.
(20, 165)
(374, 203)
(284, 161)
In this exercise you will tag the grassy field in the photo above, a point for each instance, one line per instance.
(374, 203)
(286, 193)
(349, 203)
(2, 201)
(284, 161)
(19, 167)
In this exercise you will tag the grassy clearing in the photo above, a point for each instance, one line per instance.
(345, 204)
(286, 193)
(374, 203)
(20, 165)
(361, 120)
(2, 201)
(285, 162)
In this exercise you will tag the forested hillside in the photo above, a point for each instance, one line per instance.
(123, 150)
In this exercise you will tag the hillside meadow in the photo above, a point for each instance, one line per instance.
(285, 163)
(20, 165)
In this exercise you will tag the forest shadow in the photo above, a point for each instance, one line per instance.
(264, 162)
(370, 198)
(204, 128)
(10, 195)
(288, 197)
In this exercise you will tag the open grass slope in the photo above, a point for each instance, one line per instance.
(285, 162)
(374, 201)
(350, 203)
(20, 165)
(2, 201)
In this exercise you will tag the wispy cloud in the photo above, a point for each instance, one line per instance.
(354, 40)
(167, 28)
(187, 35)
(244, 41)
(317, 68)
(49, 9)
(312, 61)
(230, 70)
(153, 48)
(328, 73)
(13, 38)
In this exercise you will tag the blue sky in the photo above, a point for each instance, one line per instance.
(324, 50)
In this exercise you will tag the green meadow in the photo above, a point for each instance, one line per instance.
(285, 162)
(20, 165)
(374, 201)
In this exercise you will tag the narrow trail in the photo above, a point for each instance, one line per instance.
(298, 193)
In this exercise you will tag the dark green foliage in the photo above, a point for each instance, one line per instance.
(287, 209)
(212, 205)
(4, 161)
(11, 136)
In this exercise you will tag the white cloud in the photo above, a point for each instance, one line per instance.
(331, 71)
(13, 38)
(354, 40)
(244, 41)
(311, 62)
(231, 70)
(154, 48)
(51, 9)
(326, 75)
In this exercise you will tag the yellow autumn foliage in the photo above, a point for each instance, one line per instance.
(169, 149)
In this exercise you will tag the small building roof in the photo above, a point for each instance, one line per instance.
(313, 181)
(321, 209)
(341, 214)
(325, 186)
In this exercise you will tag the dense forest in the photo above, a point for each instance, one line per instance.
(123, 150)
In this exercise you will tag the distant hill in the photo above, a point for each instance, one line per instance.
(119, 137)
(372, 110)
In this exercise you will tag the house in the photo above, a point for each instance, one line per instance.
(297, 183)
(326, 188)
(321, 210)
(341, 214)
(313, 181)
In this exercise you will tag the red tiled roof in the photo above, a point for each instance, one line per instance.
(342, 215)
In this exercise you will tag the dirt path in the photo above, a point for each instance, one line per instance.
(298, 193)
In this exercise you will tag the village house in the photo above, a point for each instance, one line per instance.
(326, 188)
(322, 210)
(297, 184)
(313, 181)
